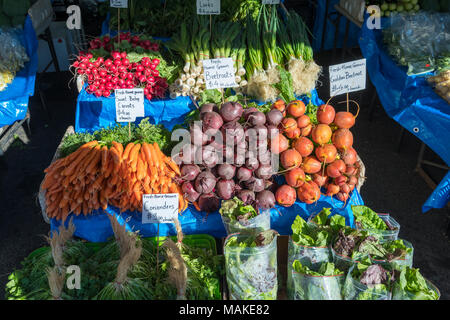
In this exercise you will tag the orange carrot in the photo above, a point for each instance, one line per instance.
(105, 158)
(94, 161)
(127, 150)
(119, 148)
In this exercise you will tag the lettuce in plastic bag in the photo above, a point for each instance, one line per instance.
(310, 235)
(411, 285)
(366, 218)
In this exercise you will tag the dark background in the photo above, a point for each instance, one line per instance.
(392, 185)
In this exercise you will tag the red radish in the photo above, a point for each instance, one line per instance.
(306, 131)
(320, 179)
(350, 156)
(295, 177)
(326, 153)
(344, 120)
(321, 134)
(303, 121)
(296, 108)
(309, 192)
(304, 146)
(336, 168)
(294, 134)
(332, 189)
(289, 124)
(343, 139)
(279, 144)
(290, 158)
(326, 114)
(285, 196)
(340, 180)
(311, 165)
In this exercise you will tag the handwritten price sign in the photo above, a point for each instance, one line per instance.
(159, 208)
(129, 104)
(347, 77)
(208, 6)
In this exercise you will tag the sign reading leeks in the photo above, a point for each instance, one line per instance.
(118, 4)
(208, 6)
(347, 77)
(219, 73)
(159, 208)
(129, 104)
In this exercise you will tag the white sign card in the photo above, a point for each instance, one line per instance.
(219, 73)
(159, 208)
(118, 4)
(208, 6)
(270, 1)
(347, 77)
(129, 104)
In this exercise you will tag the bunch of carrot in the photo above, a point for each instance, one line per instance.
(95, 176)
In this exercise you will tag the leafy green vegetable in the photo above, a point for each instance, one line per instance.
(411, 285)
(326, 269)
(366, 218)
(285, 85)
(310, 235)
(235, 210)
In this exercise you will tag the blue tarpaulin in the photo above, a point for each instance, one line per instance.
(330, 29)
(411, 102)
(95, 113)
(14, 99)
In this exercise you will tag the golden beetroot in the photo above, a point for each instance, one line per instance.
(342, 139)
(296, 108)
(321, 134)
(325, 114)
(311, 165)
(326, 153)
(285, 195)
(304, 146)
(303, 121)
(290, 158)
(295, 177)
(309, 192)
(279, 144)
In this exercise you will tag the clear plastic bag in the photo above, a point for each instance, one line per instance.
(307, 287)
(398, 264)
(385, 235)
(251, 271)
(257, 224)
(311, 257)
(401, 295)
(341, 262)
(355, 290)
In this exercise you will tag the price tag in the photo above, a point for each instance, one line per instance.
(270, 1)
(118, 4)
(347, 77)
(159, 208)
(208, 6)
(129, 104)
(219, 73)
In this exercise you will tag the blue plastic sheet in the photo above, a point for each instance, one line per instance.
(411, 102)
(95, 113)
(14, 99)
(352, 40)
(100, 112)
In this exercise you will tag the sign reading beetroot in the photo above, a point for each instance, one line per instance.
(219, 73)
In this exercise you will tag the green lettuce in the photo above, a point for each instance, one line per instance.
(326, 269)
(366, 218)
(411, 285)
(310, 235)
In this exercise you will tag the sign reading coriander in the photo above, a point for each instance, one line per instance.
(129, 104)
(208, 7)
(347, 77)
(118, 4)
(159, 208)
(219, 73)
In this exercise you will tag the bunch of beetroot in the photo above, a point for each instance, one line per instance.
(110, 44)
(103, 76)
(315, 156)
(218, 164)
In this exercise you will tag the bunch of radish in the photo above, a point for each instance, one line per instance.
(219, 162)
(104, 75)
(110, 44)
(316, 157)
